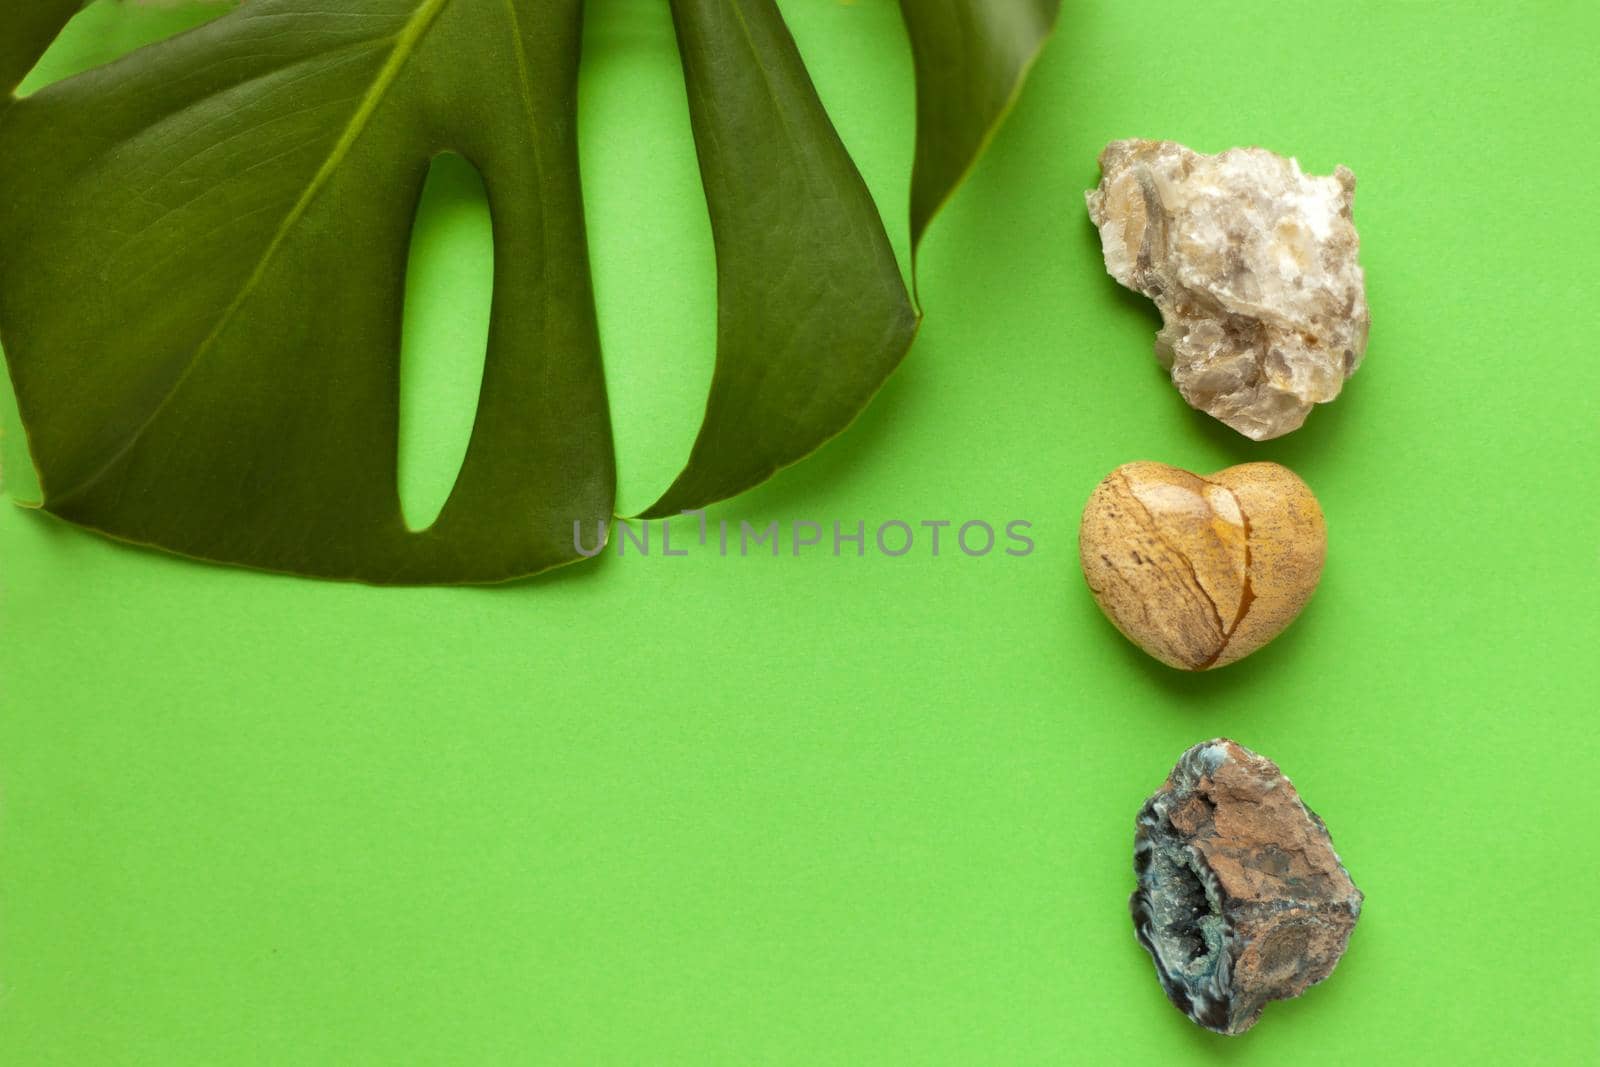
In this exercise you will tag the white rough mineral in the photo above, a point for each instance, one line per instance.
(1253, 265)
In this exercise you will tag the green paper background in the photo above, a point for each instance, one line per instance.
(876, 811)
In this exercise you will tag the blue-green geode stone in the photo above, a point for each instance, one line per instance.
(1241, 897)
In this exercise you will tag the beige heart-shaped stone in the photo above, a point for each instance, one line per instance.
(1200, 572)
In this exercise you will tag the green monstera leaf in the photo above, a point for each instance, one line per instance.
(203, 249)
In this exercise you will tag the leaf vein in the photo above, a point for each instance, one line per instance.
(406, 42)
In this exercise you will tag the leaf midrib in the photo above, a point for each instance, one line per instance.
(406, 42)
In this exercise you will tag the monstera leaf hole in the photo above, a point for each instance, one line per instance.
(449, 294)
(654, 264)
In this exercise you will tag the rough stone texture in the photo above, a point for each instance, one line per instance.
(1200, 572)
(1253, 265)
(1241, 898)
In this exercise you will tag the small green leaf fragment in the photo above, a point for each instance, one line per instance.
(971, 57)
